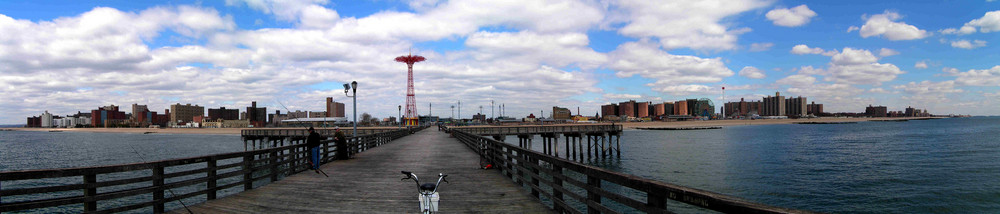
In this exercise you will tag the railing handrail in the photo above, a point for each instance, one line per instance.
(292, 155)
(525, 163)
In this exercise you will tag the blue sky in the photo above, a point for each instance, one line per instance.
(69, 56)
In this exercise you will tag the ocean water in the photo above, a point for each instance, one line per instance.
(928, 166)
(925, 166)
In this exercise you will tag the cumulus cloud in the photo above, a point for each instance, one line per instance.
(854, 66)
(922, 64)
(885, 25)
(966, 44)
(929, 92)
(669, 71)
(752, 73)
(990, 22)
(983, 77)
(100, 57)
(884, 52)
(798, 80)
(805, 49)
(756, 47)
(793, 17)
(681, 24)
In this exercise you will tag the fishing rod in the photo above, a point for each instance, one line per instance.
(168, 190)
(297, 120)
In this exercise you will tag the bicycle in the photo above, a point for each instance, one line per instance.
(428, 192)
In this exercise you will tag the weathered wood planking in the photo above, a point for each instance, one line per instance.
(370, 183)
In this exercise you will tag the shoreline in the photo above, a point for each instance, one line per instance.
(625, 125)
(724, 123)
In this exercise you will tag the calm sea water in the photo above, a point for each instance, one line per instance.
(930, 166)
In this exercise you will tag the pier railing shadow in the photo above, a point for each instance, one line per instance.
(104, 189)
(572, 187)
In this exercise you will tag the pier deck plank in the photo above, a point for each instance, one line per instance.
(370, 183)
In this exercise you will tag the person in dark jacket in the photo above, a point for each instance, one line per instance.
(312, 142)
(341, 141)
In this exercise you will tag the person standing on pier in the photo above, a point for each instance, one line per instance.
(341, 142)
(312, 142)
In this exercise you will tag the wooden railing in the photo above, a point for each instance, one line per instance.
(302, 132)
(576, 188)
(208, 175)
(515, 130)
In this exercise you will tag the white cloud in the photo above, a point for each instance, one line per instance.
(929, 92)
(928, 87)
(752, 73)
(756, 47)
(990, 22)
(884, 25)
(668, 70)
(794, 17)
(851, 66)
(797, 80)
(688, 89)
(805, 49)
(102, 58)
(884, 52)
(878, 90)
(852, 28)
(809, 70)
(682, 24)
(922, 64)
(966, 44)
(611, 96)
(984, 77)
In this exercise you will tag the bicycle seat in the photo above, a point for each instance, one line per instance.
(428, 186)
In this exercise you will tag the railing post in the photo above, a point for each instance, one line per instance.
(593, 183)
(273, 161)
(556, 182)
(247, 172)
(212, 177)
(656, 199)
(89, 192)
(158, 184)
(534, 180)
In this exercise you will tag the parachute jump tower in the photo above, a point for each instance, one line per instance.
(411, 118)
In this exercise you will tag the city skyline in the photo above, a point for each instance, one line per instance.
(68, 56)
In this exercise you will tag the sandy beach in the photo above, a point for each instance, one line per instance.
(628, 125)
(222, 131)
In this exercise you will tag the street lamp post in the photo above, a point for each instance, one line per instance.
(399, 116)
(353, 87)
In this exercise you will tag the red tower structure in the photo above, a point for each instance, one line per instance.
(411, 118)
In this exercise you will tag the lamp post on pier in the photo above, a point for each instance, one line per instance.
(353, 87)
(399, 115)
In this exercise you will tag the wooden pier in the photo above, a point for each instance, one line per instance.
(275, 180)
(601, 140)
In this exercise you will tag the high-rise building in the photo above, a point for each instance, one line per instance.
(609, 110)
(317, 114)
(681, 107)
(876, 111)
(137, 111)
(256, 116)
(185, 113)
(334, 109)
(796, 106)
(223, 113)
(106, 115)
(627, 109)
(561, 113)
(642, 109)
(46, 120)
(774, 106)
(658, 109)
(815, 109)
